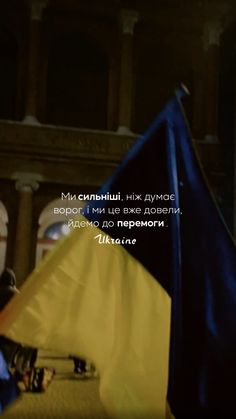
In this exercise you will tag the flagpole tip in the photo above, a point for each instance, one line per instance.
(182, 91)
(185, 89)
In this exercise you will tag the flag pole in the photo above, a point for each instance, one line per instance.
(176, 294)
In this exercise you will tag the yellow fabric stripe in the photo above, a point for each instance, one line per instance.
(95, 300)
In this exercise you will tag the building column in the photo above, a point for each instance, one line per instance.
(128, 20)
(25, 185)
(36, 9)
(212, 34)
(11, 234)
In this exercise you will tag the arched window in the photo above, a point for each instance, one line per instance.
(56, 231)
(53, 226)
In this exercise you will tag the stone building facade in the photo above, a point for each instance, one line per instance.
(80, 80)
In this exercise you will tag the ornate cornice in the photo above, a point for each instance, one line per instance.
(57, 142)
(128, 18)
(212, 33)
(71, 156)
(36, 8)
(60, 155)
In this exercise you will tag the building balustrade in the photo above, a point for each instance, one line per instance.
(60, 153)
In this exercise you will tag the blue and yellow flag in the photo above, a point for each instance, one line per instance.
(97, 301)
(92, 298)
(193, 256)
(152, 231)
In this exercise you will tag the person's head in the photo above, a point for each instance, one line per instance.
(8, 278)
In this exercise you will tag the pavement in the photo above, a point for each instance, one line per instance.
(68, 396)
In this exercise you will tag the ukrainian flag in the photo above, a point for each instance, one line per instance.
(99, 302)
(152, 232)
(100, 298)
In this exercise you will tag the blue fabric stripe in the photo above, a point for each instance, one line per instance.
(193, 257)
